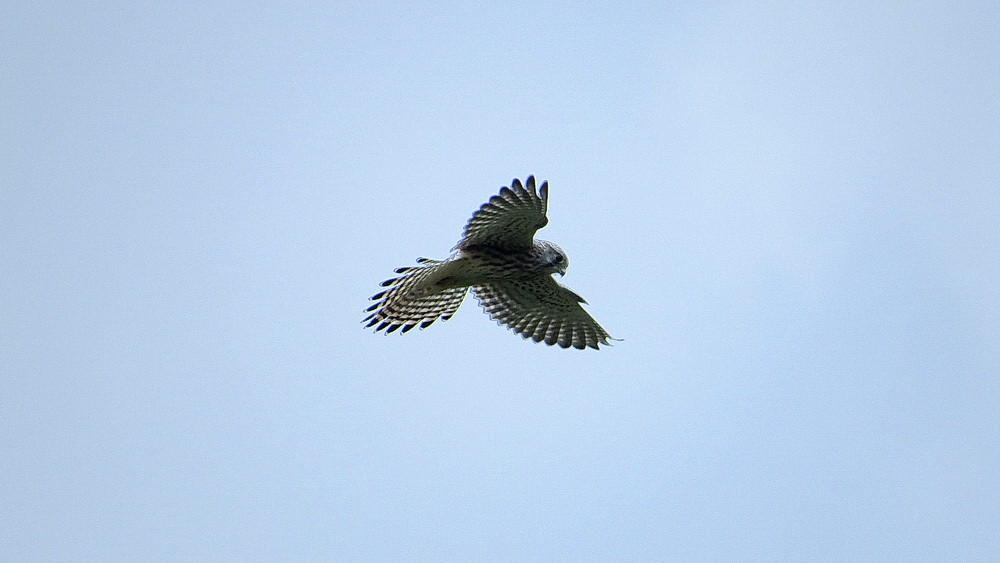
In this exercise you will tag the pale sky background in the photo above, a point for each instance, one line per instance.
(788, 211)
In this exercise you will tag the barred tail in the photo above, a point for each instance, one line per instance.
(407, 303)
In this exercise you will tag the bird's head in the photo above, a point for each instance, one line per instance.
(551, 258)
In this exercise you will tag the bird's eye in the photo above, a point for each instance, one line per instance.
(559, 259)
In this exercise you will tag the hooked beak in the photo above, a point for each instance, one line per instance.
(562, 271)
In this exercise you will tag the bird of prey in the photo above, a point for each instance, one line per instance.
(509, 272)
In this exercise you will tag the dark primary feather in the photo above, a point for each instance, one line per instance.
(541, 309)
(508, 220)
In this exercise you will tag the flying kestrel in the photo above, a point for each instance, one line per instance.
(509, 272)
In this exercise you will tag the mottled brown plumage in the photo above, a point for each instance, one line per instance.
(509, 272)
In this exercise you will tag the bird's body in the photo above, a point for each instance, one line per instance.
(509, 272)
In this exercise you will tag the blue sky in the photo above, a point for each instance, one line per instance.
(787, 211)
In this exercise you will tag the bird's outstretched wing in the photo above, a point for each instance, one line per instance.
(508, 221)
(401, 306)
(541, 309)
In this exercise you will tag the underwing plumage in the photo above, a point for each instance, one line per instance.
(508, 270)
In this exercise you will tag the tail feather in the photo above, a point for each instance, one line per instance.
(407, 304)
